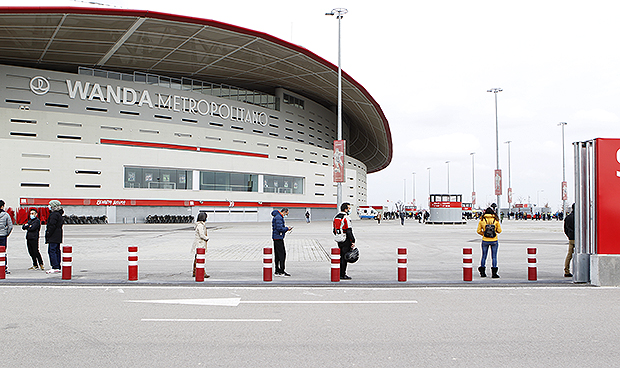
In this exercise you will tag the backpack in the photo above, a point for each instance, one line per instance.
(489, 230)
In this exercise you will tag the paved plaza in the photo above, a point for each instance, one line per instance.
(234, 254)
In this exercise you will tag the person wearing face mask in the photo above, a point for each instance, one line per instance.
(278, 231)
(6, 226)
(343, 221)
(32, 240)
(53, 235)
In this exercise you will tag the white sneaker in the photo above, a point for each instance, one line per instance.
(53, 270)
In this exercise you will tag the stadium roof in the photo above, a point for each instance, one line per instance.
(64, 38)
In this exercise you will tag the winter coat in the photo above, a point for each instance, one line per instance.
(6, 225)
(277, 226)
(569, 226)
(53, 230)
(489, 220)
(33, 226)
(200, 236)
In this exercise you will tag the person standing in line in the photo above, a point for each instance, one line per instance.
(343, 221)
(569, 230)
(200, 238)
(278, 231)
(53, 235)
(32, 227)
(6, 226)
(489, 226)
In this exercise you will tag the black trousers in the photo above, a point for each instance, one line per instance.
(345, 247)
(33, 250)
(280, 254)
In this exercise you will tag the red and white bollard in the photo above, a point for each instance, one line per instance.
(335, 264)
(531, 264)
(200, 264)
(267, 264)
(467, 264)
(67, 261)
(402, 264)
(2, 262)
(132, 268)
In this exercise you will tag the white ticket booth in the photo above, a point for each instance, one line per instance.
(446, 209)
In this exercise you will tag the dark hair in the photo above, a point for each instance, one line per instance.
(35, 210)
(284, 210)
(489, 211)
(202, 216)
(1, 203)
(344, 206)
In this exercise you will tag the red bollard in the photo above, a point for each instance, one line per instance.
(200, 264)
(531, 264)
(402, 264)
(467, 264)
(267, 264)
(67, 261)
(335, 264)
(2, 262)
(132, 269)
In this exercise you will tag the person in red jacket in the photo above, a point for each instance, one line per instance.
(343, 221)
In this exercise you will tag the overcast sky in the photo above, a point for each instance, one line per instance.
(429, 65)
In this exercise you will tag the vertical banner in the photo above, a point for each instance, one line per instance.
(498, 182)
(339, 149)
(473, 198)
(564, 191)
(509, 195)
(607, 155)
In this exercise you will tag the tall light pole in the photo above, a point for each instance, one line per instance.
(429, 185)
(564, 186)
(538, 197)
(339, 12)
(497, 171)
(413, 189)
(405, 191)
(473, 181)
(509, 182)
(448, 164)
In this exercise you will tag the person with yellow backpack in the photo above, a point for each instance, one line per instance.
(489, 226)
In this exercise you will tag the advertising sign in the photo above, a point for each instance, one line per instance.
(473, 198)
(607, 195)
(498, 182)
(339, 147)
(564, 191)
(509, 195)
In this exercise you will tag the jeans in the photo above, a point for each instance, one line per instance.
(485, 249)
(280, 255)
(54, 252)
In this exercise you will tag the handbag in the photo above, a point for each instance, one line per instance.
(340, 236)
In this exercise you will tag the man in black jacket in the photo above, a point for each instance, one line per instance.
(53, 235)
(343, 221)
(32, 239)
(569, 230)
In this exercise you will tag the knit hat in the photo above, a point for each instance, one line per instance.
(54, 205)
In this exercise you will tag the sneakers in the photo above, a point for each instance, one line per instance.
(568, 275)
(345, 277)
(7, 272)
(42, 268)
(33, 267)
(53, 270)
(277, 274)
(286, 274)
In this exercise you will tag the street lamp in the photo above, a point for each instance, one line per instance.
(473, 181)
(405, 191)
(498, 189)
(448, 164)
(509, 182)
(429, 185)
(538, 197)
(564, 186)
(413, 189)
(339, 12)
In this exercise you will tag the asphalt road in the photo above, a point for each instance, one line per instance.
(89, 326)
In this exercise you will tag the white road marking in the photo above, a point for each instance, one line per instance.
(207, 320)
(234, 302)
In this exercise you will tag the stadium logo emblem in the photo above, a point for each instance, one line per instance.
(39, 85)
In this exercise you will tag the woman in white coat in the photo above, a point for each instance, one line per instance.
(200, 237)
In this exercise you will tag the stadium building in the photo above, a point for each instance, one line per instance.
(128, 113)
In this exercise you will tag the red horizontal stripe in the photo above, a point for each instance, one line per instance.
(119, 142)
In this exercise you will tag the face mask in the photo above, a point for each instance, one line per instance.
(32, 216)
